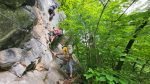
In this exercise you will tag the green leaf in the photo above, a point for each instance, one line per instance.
(109, 77)
(111, 82)
(122, 59)
(140, 62)
(97, 79)
(122, 81)
(130, 58)
(97, 73)
(123, 54)
(88, 76)
(102, 78)
(103, 73)
(90, 70)
(116, 80)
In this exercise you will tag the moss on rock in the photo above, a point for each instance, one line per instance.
(12, 3)
(15, 25)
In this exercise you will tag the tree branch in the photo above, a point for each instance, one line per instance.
(102, 2)
(129, 45)
(125, 11)
(100, 16)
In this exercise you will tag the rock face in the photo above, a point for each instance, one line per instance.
(25, 57)
(15, 23)
(34, 77)
(12, 3)
(9, 57)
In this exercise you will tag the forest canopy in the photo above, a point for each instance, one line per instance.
(111, 44)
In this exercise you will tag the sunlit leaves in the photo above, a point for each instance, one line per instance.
(104, 75)
(111, 40)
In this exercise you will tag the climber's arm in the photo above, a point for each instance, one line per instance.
(59, 53)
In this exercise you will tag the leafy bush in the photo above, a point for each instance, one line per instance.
(99, 76)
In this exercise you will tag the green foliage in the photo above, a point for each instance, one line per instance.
(105, 47)
(97, 76)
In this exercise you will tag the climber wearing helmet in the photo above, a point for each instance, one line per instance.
(56, 32)
(51, 11)
(66, 51)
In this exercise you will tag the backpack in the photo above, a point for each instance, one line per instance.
(58, 32)
(65, 50)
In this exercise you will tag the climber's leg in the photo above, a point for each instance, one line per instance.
(71, 68)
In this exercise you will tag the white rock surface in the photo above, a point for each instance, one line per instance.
(18, 69)
(34, 49)
(34, 77)
(9, 57)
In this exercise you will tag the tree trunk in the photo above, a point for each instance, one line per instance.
(133, 67)
(129, 45)
(144, 66)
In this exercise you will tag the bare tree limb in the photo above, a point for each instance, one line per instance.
(129, 45)
(125, 11)
(102, 2)
(100, 16)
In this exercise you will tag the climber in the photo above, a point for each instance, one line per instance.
(56, 32)
(51, 11)
(70, 62)
(67, 52)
